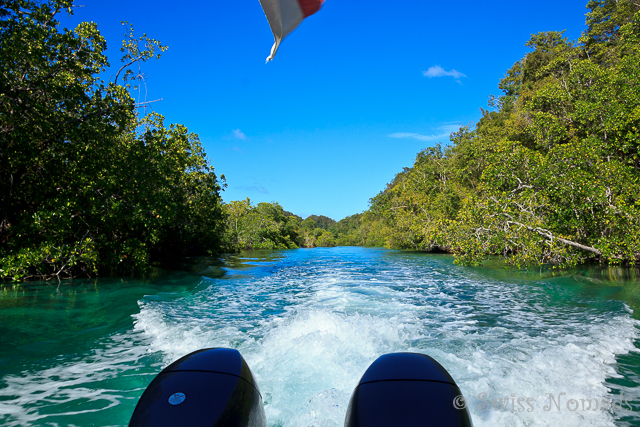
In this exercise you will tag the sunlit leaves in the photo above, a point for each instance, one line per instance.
(265, 226)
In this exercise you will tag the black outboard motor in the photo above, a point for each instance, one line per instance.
(210, 387)
(406, 389)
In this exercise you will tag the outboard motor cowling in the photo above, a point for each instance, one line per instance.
(406, 389)
(210, 387)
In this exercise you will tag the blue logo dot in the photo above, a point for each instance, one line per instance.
(177, 398)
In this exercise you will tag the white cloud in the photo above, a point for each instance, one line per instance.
(252, 188)
(438, 71)
(444, 132)
(239, 134)
(409, 135)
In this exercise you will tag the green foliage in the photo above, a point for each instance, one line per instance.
(268, 226)
(349, 232)
(321, 221)
(326, 239)
(309, 224)
(136, 50)
(39, 262)
(88, 186)
(604, 23)
(552, 176)
(265, 226)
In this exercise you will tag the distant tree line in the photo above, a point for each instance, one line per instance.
(269, 226)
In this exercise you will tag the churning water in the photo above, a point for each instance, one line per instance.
(526, 350)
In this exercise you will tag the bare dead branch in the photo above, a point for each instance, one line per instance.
(546, 233)
(141, 104)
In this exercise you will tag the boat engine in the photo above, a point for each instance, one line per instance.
(406, 389)
(212, 387)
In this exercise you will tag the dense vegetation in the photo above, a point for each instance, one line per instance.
(269, 226)
(88, 185)
(551, 174)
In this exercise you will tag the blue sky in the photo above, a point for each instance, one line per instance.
(351, 97)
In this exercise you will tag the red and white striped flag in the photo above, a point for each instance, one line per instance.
(285, 15)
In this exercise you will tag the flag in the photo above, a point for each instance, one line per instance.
(285, 15)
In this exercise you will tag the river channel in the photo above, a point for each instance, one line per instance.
(310, 321)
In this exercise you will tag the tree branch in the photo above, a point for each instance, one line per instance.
(125, 66)
(141, 104)
(546, 233)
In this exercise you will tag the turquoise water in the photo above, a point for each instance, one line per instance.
(310, 321)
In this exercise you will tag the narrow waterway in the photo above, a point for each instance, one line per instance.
(309, 322)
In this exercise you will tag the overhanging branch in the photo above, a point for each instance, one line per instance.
(546, 233)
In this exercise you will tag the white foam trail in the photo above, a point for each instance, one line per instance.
(309, 358)
(309, 364)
